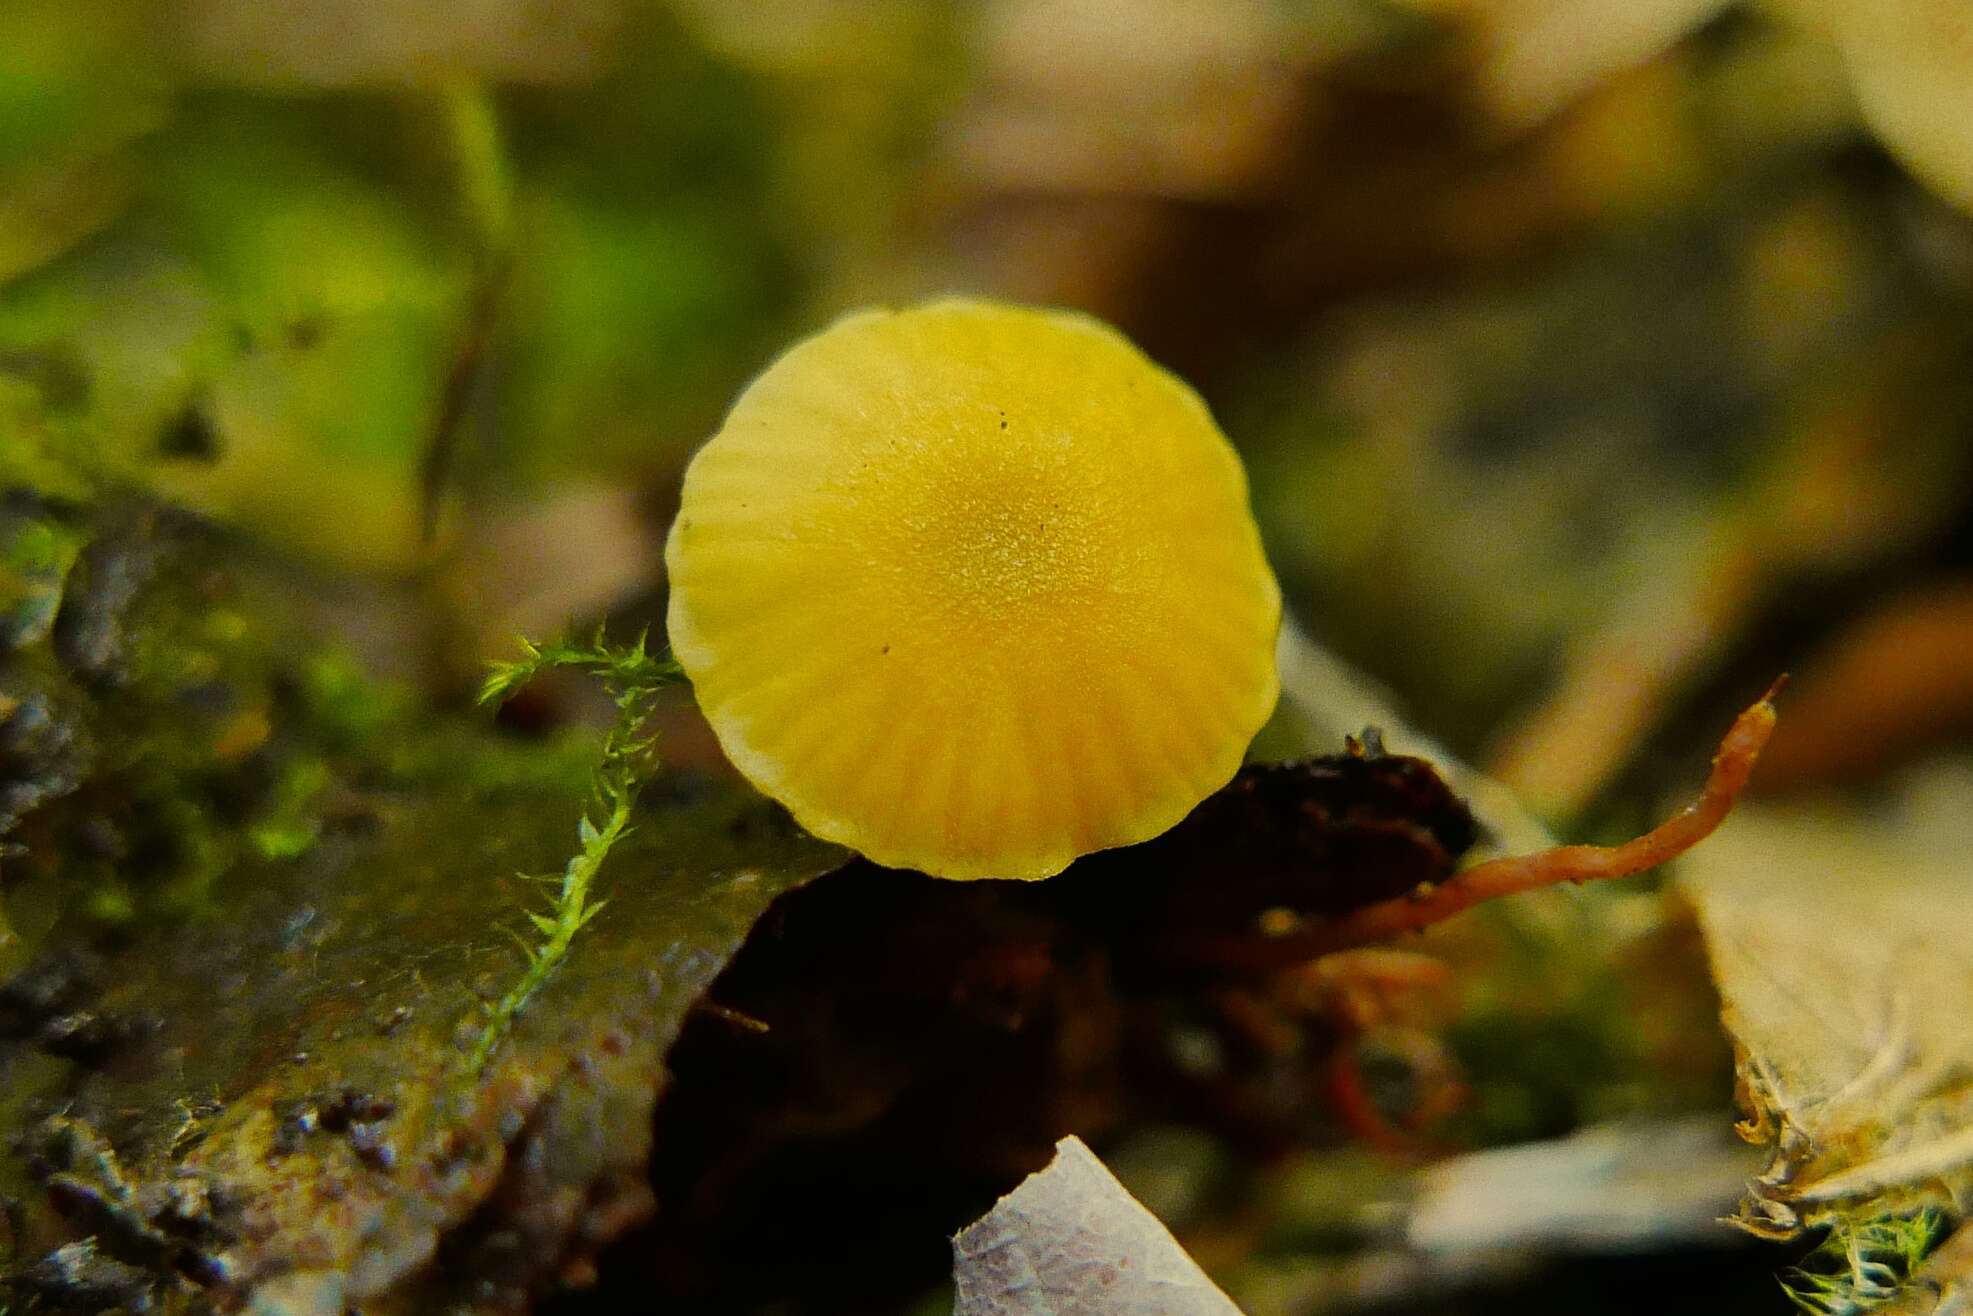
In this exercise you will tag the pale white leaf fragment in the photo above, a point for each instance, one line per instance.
(1072, 1241)
(1640, 1185)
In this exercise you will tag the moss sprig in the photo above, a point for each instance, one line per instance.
(633, 676)
(1862, 1265)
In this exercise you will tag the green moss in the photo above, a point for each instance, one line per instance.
(1862, 1265)
(1542, 1076)
(633, 677)
(36, 552)
(167, 725)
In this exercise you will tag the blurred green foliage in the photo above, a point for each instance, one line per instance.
(309, 309)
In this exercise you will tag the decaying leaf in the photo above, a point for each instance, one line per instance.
(1072, 1241)
(1940, 1286)
(573, 549)
(1172, 97)
(1912, 63)
(1537, 55)
(1843, 950)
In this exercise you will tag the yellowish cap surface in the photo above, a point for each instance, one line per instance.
(974, 589)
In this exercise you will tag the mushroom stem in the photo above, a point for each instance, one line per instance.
(1733, 763)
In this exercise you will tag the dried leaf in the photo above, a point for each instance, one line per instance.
(1891, 685)
(1941, 1285)
(1538, 55)
(1072, 1241)
(1843, 951)
(1912, 63)
(572, 550)
(1168, 97)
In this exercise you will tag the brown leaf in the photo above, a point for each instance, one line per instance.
(1912, 64)
(1192, 98)
(1538, 55)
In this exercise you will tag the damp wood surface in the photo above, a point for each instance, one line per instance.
(262, 1087)
(292, 1105)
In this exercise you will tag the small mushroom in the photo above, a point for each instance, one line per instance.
(974, 588)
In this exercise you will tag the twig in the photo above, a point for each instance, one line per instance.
(1414, 912)
(1732, 765)
(471, 129)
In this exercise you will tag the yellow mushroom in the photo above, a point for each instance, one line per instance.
(974, 589)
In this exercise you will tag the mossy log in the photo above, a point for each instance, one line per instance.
(262, 906)
(234, 1062)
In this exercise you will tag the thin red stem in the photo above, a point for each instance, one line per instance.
(1415, 911)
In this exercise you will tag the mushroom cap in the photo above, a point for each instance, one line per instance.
(974, 588)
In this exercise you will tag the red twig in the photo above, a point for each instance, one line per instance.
(1388, 919)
